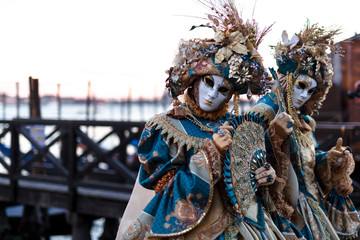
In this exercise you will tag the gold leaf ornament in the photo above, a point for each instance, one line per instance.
(255, 54)
(223, 53)
(240, 48)
(219, 37)
(236, 45)
(237, 37)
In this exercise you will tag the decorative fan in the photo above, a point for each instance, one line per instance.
(246, 154)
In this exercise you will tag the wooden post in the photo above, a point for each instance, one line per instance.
(34, 101)
(94, 107)
(31, 226)
(34, 98)
(129, 105)
(58, 99)
(88, 102)
(4, 105)
(17, 100)
(122, 109)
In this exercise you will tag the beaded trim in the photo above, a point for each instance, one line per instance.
(171, 132)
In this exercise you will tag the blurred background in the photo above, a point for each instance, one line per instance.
(79, 78)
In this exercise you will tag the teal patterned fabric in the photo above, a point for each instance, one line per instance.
(286, 64)
(342, 204)
(187, 190)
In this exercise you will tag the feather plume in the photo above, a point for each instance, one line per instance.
(316, 35)
(226, 17)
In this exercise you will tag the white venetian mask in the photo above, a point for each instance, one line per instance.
(213, 91)
(304, 87)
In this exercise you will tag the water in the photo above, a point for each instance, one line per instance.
(103, 111)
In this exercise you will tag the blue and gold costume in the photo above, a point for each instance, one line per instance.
(310, 195)
(175, 156)
(180, 163)
(316, 215)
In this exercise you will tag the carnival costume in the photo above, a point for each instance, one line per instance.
(180, 161)
(310, 197)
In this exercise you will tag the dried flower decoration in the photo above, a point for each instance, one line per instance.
(308, 53)
(232, 52)
(226, 20)
(236, 45)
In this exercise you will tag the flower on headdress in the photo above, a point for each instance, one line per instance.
(322, 58)
(291, 43)
(233, 41)
(307, 63)
(316, 54)
(244, 76)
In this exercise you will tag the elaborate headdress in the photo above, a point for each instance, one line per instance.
(308, 53)
(232, 53)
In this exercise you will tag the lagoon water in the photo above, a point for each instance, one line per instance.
(103, 111)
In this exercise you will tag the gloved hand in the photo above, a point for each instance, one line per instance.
(222, 138)
(265, 175)
(283, 124)
(338, 154)
(342, 165)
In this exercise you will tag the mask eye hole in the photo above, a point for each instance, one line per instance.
(208, 81)
(224, 90)
(311, 91)
(302, 85)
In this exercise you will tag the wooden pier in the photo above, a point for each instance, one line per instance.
(82, 167)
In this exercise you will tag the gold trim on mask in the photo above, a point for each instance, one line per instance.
(305, 78)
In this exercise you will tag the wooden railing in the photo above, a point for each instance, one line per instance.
(81, 166)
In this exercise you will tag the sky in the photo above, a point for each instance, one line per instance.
(124, 47)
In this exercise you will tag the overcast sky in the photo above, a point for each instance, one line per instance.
(118, 44)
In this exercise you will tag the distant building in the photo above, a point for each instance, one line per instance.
(351, 76)
(343, 100)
